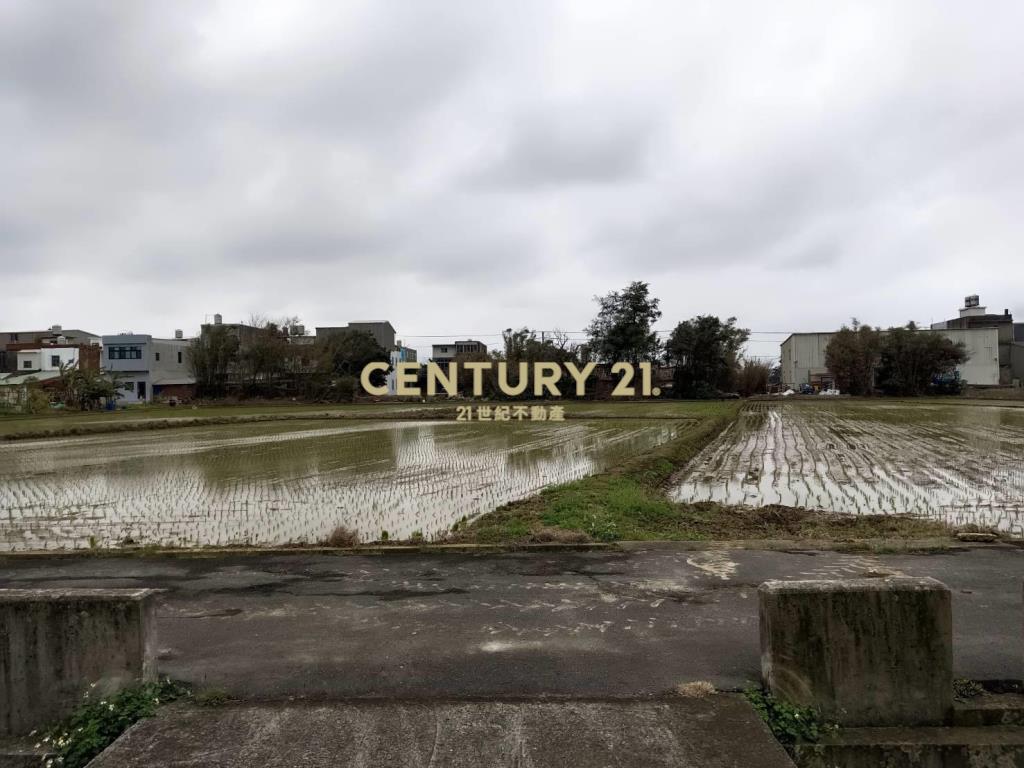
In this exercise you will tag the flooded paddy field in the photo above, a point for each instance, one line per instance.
(962, 464)
(294, 482)
(55, 423)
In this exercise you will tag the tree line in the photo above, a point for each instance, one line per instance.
(898, 361)
(704, 354)
(270, 364)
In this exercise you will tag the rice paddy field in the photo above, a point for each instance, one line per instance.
(962, 464)
(294, 481)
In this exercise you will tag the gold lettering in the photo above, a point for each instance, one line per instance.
(506, 387)
(546, 376)
(435, 375)
(580, 376)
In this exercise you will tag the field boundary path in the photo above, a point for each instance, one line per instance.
(615, 624)
(714, 732)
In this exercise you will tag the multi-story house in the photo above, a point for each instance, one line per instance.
(445, 353)
(973, 316)
(148, 367)
(47, 358)
(11, 342)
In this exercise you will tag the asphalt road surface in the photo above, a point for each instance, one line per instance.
(568, 624)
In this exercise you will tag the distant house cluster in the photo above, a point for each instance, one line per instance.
(149, 368)
(993, 342)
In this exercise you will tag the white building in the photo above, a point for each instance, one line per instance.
(803, 357)
(398, 355)
(47, 358)
(147, 367)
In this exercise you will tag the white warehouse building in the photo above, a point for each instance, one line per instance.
(803, 357)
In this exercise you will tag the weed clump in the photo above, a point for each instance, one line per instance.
(99, 721)
(964, 688)
(343, 536)
(789, 724)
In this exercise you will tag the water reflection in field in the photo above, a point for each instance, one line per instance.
(292, 482)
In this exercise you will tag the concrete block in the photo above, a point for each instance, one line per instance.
(864, 652)
(55, 643)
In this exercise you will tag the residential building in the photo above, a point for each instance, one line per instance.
(149, 368)
(973, 315)
(297, 336)
(445, 353)
(45, 357)
(381, 330)
(12, 341)
(400, 354)
(243, 332)
(803, 357)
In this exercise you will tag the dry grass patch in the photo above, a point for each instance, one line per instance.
(698, 689)
(342, 536)
(549, 535)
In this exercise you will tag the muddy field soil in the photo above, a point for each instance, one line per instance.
(963, 464)
(293, 482)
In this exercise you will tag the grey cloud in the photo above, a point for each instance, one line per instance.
(576, 148)
(363, 159)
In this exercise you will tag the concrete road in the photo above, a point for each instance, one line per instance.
(583, 624)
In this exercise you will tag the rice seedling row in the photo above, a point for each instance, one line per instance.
(962, 465)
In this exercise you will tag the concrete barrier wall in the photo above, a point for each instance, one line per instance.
(861, 651)
(55, 643)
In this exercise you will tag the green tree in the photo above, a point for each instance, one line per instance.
(753, 376)
(852, 356)
(211, 357)
(523, 345)
(85, 389)
(706, 355)
(622, 330)
(343, 355)
(910, 360)
(265, 358)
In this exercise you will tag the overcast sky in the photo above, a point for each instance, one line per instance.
(463, 167)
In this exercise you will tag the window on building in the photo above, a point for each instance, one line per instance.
(27, 364)
(179, 358)
(124, 353)
(55, 361)
(156, 356)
